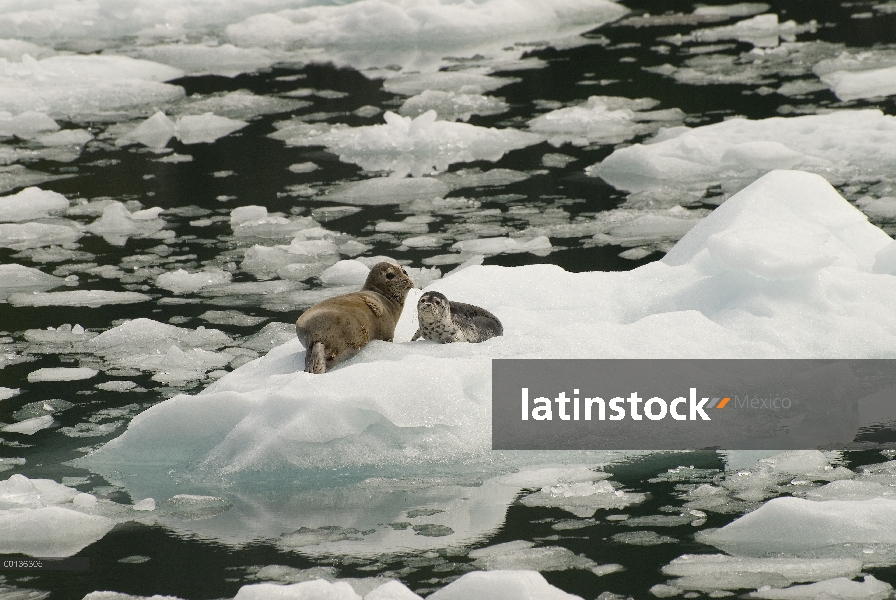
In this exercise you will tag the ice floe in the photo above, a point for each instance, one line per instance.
(17, 278)
(452, 106)
(189, 129)
(86, 87)
(89, 298)
(843, 146)
(413, 146)
(604, 119)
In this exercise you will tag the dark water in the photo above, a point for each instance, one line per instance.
(195, 569)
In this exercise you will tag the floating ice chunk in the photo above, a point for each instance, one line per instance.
(391, 590)
(202, 59)
(29, 426)
(501, 245)
(239, 104)
(603, 119)
(83, 87)
(364, 33)
(190, 129)
(306, 590)
(153, 132)
(452, 106)
(851, 490)
(147, 504)
(255, 221)
(27, 125)
(182, 282)
(643, 538)
(734, 152)
(14, 50)
(583, 498)
(345, 272)
(18, 278)
(501, 585)
(117, 224)
(874, 83)
(7, 393)
(21, 236)
(472, 178)
(62, 374)
(740, 9)
(839, 588)
(265, 262)
(116, 386)
(303, 167)
(66, 137)
(148, 336)
(522, 554)
(445, 81)
(49, 531)
(386, 190)
(417, 146)
(710, 572)
(90, 298)
(801, 527)
(881, 209)
(192, 506)
(206, 128)
(762, 30)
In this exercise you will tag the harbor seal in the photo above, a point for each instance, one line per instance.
(445, 321)
(335, 329)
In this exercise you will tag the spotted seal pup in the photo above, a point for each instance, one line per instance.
(445, 321)
(335, 329)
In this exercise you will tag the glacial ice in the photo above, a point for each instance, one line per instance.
(710, 572)
(85, 87)
(416, 146)
(386, 190)
(502, 585)
(844, 146)
(117, 223)
(180, 281)
(38, 517)
(18, 278)
(870, 588)
(189, 129)
(605, 120)
(426, 406)
(451, 106)
(61, 374)
(90, 298)
(34, 234)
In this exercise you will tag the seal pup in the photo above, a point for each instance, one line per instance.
(445, 321)
(337, 328)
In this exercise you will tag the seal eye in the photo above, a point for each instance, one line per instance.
(390, 275)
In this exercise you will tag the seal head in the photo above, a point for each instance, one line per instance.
(445, 321)
(336, 329)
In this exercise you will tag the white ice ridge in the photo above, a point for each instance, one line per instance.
(410, 146)
(85, 87)
(844, 146)
(784, 269)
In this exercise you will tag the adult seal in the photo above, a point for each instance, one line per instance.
(445, 321)
(337, 328)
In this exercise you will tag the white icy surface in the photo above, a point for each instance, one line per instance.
(18, 278)
(61, 374)
(189, 129)
(838, 588)
(604, 119)
(413, 146)
(452, 106)
(843, 146)
(501, 585)
(85, 87)
(31, 203)
(39, 517)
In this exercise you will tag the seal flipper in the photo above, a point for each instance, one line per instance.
(316, 358)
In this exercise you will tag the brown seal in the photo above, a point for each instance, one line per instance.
(335, 329)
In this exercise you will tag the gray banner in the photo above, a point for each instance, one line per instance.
(652, 404)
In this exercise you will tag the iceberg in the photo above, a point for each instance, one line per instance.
(421, 419)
